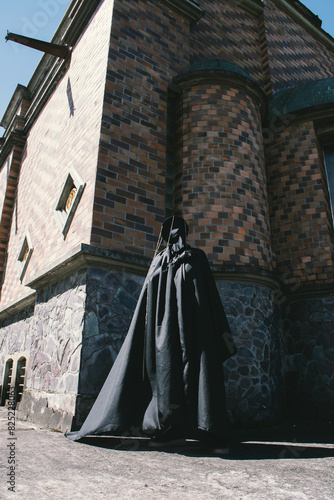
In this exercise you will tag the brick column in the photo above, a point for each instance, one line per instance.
(221, 181)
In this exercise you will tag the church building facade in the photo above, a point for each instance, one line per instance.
(221, 111)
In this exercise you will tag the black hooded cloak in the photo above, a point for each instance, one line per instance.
(169, 371)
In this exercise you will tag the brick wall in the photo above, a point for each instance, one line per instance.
(302, 230)
(295, 55)
(221, 180)
(228, 32)
(123, 203)
(10, 174)
(149, 46)
(61, 138)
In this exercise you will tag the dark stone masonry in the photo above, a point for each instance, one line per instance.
(51, 331)
(309, 357)
(255, 374)
(78, 326)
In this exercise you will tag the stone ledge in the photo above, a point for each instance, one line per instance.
(75, 20)
(17, 306)
(83, 256)
(305, 292)
(249, 278)
(309, 98)
(50, 410)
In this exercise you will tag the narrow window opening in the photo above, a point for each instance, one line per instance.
(20, 378)
(7, 381)
(24, 255)
(68, 200)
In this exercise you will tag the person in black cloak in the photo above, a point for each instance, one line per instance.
(167, 380)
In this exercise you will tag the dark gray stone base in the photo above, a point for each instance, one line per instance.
(254, 376)
(309, 358)
(111, 300)
(73, 333)
(47, 410)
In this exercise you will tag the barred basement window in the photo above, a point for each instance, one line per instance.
(14, 378)
(68, 201)
(24, 255)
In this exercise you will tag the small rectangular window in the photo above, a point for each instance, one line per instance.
(68, 201)
(329, 163)
(24, 255)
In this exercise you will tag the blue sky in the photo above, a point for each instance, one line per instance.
(34, 18)
(40, 18)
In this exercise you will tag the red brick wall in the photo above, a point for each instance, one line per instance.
(295, 55)
(221, 182)
(149, 46)
(228, 32)
(302, 229)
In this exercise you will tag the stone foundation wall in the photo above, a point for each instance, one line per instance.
(15, 337)
(111, 300)
(254, 376)
(76, 328)
(309, 358)
(72, 336)
(51, 331)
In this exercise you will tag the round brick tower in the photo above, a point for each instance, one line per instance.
(221, 189)
(221, 182)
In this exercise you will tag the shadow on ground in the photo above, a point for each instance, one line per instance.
(290, 441)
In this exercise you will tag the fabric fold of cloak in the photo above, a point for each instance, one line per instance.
(169, 370)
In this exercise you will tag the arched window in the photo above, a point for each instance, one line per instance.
(7, 381)
(20, 378)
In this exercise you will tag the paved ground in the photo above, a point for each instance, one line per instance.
(287, 462)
